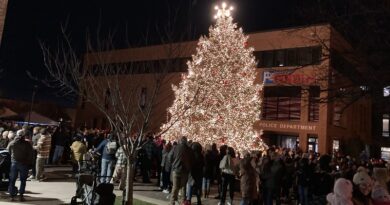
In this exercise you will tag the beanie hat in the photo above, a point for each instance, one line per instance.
(342, 193)
(361, 177)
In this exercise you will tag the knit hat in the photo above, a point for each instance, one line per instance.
(342, 193)
(361, 177)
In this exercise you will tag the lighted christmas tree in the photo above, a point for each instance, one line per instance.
(217, 100)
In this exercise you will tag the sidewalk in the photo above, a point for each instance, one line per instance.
(152, 194)
(59, 188)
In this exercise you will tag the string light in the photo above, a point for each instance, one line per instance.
(217, 100)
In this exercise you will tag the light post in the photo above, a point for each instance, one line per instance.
(32, 103)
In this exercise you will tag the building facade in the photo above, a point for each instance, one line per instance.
(306, 100)
(3, 12)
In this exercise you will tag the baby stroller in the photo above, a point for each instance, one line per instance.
(5, 165)
(89, 190)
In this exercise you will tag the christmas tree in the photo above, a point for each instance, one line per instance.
(217, 100)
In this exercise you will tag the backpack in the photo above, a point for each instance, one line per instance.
(111, 147)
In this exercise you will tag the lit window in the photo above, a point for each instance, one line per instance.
(336, 145)
(385, 125)
(386, 91)
(364, 88)
(385, 153)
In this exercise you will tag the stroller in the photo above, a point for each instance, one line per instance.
(5, 165)
(89, 189)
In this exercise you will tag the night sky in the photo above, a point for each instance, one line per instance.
(29, 22)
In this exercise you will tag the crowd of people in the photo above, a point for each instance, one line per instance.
(273, 176)
(184, 168)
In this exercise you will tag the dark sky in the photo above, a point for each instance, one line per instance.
(29, 22)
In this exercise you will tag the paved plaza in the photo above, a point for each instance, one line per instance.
(60, 187)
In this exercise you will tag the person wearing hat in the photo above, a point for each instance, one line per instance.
(21, 159)
(362, 187)
(43, 150)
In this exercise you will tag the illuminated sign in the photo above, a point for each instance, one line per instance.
(287, 77)
(288, 126)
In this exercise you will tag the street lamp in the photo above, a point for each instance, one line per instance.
(32, 103)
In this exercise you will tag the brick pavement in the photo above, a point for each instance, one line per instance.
(152, 194)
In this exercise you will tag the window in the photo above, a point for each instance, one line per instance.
(337, 113)
(289, 57)
(386, 91)
(305, 56)
(268, 59)
(142, 100)
(282, 103)
(385, 153)
(385, 125)
(279, 58)
(312, 143)
(314, 103)
(107, 97)
(336, 145)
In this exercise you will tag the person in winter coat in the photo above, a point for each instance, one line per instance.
(304, 174)
(362, 187)
(35, 137)
(247, 181)
(120, 170)
(166, 168)
(196, 173)
(380, 194)
(218, 174)
(43, 150)
(272, 175)
(322, 182)
(342, 193)
(209, 161)
(21, 159)
(107, 148)
(181, 157)
(78, 149)
(228, 166)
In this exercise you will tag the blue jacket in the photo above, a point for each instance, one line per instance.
(102, 150)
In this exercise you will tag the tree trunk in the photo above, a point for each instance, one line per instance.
(128, 197)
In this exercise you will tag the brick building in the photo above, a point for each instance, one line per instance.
(306, 81)
(3, 12)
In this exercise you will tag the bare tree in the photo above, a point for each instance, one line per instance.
(360, 71)
(116, 89)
